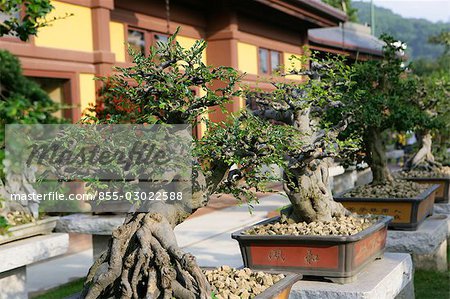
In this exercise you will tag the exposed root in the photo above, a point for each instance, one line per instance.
(423, 159)
(144, 261)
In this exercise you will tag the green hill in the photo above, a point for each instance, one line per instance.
(414, 32)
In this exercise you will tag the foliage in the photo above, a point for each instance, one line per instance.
(383, 98)
(22, 101)
(3, 225)
(302, 106)
(171, 85)
(442, 38)
(415, 32)
(346, 6)
(24, 17)
(249, 143)
(383, 93)
(434, 96)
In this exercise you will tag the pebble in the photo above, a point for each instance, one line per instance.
(395, 189)
(231, 283)
(438, 172)
(338, 226)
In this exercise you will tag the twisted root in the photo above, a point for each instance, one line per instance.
(144, 261)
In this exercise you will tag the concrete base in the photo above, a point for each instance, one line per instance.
(89, 224)
(427, 245)
(387, 278)
(15, 257)
(99, 226)
(442, 208)
(13, 283)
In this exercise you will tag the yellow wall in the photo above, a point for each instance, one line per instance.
(187, 42)
(117, 40)
(294, 64)
(71, 33)
(247, 58)
(87, 90)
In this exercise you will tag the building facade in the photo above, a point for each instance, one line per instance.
(253, 36)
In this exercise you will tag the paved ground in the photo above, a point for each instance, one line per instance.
(207, 235)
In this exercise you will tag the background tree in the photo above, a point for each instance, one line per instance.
(433, 97)
(413, 31)
(345, 6)
(381, 99)
(23, 18)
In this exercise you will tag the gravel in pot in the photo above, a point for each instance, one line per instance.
(394, 189)
(230, 283)
(338, 226)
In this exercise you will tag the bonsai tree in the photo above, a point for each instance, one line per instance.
(143, 259)
(22, 101)
(381, 100)
(302, 105)
(432, 98)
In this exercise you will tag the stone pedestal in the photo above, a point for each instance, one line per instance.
(15, 256)
(13, 283)
(99, 226)
(427, 245)
(442, 208)
(387, 278)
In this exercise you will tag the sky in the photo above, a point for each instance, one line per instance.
(432, 10)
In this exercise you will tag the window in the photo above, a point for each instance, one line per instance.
(269, 61)
(160, 38)
(136, 39)
(141, 40)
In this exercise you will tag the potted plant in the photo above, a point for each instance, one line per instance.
(24, 102)
(158, 89)
(305, 238)
(422, 167)
(381, 101)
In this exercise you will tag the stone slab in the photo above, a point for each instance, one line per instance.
(13, 284)
(427, 245)
(89, 224)
(387, 278)
(442, 208)
(426, 239)
(27, 251)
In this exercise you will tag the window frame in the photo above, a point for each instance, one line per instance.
(149, 39)
(269, 60)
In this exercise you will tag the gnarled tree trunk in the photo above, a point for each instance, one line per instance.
(376, 157)
(423, 159)
(311, 197)
(308, 189)
(143, 259)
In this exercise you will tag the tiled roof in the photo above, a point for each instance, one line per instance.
(351, 37)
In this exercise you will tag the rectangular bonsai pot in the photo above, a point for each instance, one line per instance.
(337, 258)
(408, 213)
(442, 193)
(281, 289)
(22, 231)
